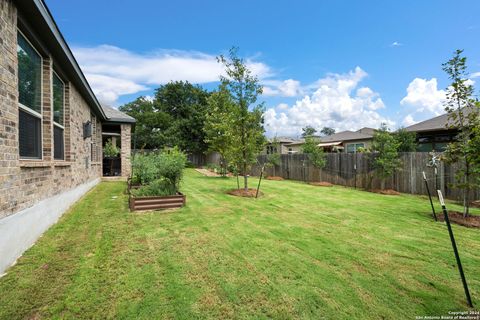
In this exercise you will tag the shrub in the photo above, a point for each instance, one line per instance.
(159, 187)
(144, 169)
(170, 166)
(158, 172)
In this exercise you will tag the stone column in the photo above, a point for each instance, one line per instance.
(126, 142)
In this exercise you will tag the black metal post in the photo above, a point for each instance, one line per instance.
(429, 196)
(259, 181)
(238, 182)
(455, 250)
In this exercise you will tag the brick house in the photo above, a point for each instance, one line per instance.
(52, 128)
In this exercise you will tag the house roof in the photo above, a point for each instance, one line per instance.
(434, 124)
(115, 115)
(349, 135)
(35, 15)
(282, 140)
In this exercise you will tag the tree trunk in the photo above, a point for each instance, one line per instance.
(466, 193)
(382, 184)
(245, 177)
(111, 166)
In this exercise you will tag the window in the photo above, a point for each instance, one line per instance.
(29, 98)
(353, 147)
(58, 118)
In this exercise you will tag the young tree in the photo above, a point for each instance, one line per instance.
(386, 148)
(110, 151)
(247, 125)
(273, 157)
(327, 131)
(463, 115)
(407, 140)
(315, 154)
(308, 131)
(218, 123)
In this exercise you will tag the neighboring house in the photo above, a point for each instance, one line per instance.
(281, 145)
(295, 147)
(348, 141)
(52, 127)
(433, 134)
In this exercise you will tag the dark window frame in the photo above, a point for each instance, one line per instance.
(56, 125)
(29, 111)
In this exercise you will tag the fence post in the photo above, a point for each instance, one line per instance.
(455, 250)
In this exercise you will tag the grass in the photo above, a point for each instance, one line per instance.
(298, 252)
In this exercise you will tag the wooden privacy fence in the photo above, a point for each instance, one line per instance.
(357, 170)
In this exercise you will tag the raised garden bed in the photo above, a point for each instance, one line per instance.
(157, 203)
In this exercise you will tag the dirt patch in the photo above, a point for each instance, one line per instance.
(250, 193)
(276, 178)
(475, 204)
(321, 184)
(472, 221)
(388, 192)
(208, 173)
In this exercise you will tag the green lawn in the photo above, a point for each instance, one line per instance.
(300, 251)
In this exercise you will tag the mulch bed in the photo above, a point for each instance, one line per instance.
(276, 178)
(321, 184)
(388, 192)
(475, 204)
(457, 218)
(250, 193)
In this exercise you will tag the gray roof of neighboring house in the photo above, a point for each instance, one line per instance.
(434, 124)
(349, 135)
(115, 115)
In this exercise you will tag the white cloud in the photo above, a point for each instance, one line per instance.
(334, 103)
(475, 75)
(396, 44)
(408, 120)
(113, 71)
(424, 97)
(286, 88)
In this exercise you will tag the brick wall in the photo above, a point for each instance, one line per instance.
(24, 182)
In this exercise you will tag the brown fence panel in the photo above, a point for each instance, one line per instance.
(357, 170)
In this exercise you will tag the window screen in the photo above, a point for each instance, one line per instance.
(29, 135)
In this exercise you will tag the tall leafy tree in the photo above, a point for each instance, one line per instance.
(247, 125)
(385, 147)
(327, 131)
(186, 104)
(308, 131)
(151, 126)
(407, 141)
(463, 115)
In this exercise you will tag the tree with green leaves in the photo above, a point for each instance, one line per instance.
(151, 124)
(385, 148)
(463, 116)
(407, 140)
(327, 131)
(186, 105)
(175, 117)
(308, 131)
(247, 125)
(315, 153)
(273, 158)
(218, 123)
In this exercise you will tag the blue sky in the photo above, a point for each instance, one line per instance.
(344, 64)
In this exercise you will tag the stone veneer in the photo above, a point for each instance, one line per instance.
(25, 182)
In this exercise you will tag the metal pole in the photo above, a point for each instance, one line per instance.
(238, 182)
(259, 181)
(436, 178)
(429, 196)
(455, 250)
